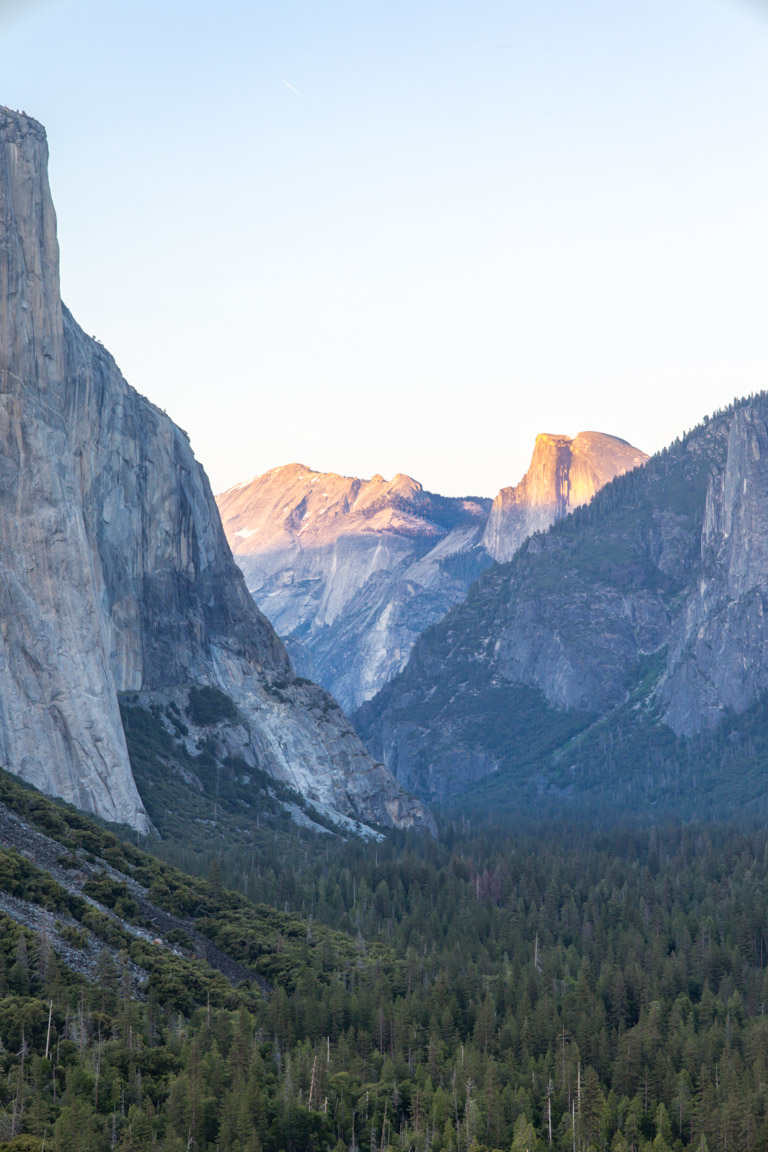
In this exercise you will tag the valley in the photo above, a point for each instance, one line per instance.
(484, 989)
(337, 814)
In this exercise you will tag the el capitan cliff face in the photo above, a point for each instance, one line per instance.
(115, 574)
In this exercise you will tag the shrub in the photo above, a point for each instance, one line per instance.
(209, 705)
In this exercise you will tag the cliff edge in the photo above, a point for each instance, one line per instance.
(115, 574)
(564, 473)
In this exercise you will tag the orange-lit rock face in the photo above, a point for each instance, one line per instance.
(293, 506)
(563, 474)
(350, 571)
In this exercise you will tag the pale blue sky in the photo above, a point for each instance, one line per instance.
(379, 236)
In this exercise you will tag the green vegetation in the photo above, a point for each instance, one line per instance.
(209, 705)
(181, 981)
(573, 985)
(575, 609)
(548, 988)
(249, 933)
(631, 766)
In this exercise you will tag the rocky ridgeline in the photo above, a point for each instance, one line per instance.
(650, 605)
(351, 571)
(115, 574)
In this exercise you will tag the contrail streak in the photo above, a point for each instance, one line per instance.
(294, 90)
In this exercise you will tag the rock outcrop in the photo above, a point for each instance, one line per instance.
(351, 571)
(718, 656)
(650, 604)
(564, 473)
(115, 574)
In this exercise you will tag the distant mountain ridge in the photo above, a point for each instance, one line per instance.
(350, 572)
(636, 623)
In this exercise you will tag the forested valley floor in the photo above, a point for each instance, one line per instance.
(519, 988)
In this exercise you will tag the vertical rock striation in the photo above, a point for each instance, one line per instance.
(59, 720)
(564, 473)
(115, 573)
(718, 657)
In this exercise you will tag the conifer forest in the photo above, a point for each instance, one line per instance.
(558, 987)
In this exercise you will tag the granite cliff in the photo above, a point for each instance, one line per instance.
(564, 473)
(351, 571)
(718, 643)
(648, 605)
(115, 574)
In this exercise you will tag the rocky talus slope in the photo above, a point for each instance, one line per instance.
(115, 574)
(351, 571)
(649, 603)
(74, 870)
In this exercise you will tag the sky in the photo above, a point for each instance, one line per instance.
(406, 236)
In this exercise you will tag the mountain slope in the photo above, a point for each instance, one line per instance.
(652, 598)
(351, 571)
(115, 574)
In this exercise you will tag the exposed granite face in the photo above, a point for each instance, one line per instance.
(115, 573)
(719, 647)
(564, 473)
(653, 600)
(351, 571)
(59, 721)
